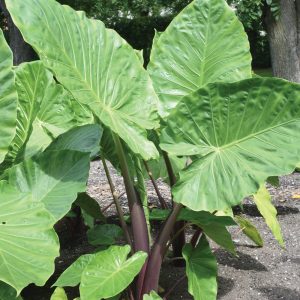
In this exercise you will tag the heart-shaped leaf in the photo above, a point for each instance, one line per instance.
(238, 135)
(72, 275)
(54, 178)
(95, 64)
(205, 43)
(44, 111)
(201, 270)
(110, 272)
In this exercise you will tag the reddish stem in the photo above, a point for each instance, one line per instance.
(158, 252)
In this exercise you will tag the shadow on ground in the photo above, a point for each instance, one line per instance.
(225, 285)
(251, 210)
(240, 262)
(277, 292)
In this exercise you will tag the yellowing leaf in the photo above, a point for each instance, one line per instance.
(264, 204)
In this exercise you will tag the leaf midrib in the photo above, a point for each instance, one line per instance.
(234, 143)
(73, 66)
(99, 101)
(125, 265)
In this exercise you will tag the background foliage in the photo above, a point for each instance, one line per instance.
(135, 20)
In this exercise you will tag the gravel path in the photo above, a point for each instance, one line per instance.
(257, 273)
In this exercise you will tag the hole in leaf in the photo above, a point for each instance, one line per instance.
(3, 223)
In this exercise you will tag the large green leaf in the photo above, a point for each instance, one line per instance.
(8, 293)
(201, 270)
(213, 226)
(95, 64)
(72, 275)
(110, 272)
(54, 178)
(8, 98)
(90, 206)
(28, 242)
(44, 111)
(204, 43)
(83, 138)
(220, 235)
(239, 134)
(106, 234)
(196, 217)
(264, 204)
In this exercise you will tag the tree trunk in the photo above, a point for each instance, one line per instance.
(284, 39)
(21, 50)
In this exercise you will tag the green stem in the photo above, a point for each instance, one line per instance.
(117, 204)
(179, 242)
(138, 220)
(177, 234)
(161, 200)
(142, 192)
(169, 167)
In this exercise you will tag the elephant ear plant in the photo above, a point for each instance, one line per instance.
(195, 113)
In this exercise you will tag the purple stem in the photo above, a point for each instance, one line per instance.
(157, 254)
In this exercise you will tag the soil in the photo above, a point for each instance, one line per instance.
(257, 273)
(263, 273)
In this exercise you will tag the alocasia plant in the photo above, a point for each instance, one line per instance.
(196, 108)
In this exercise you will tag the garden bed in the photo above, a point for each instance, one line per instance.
(257, 273)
